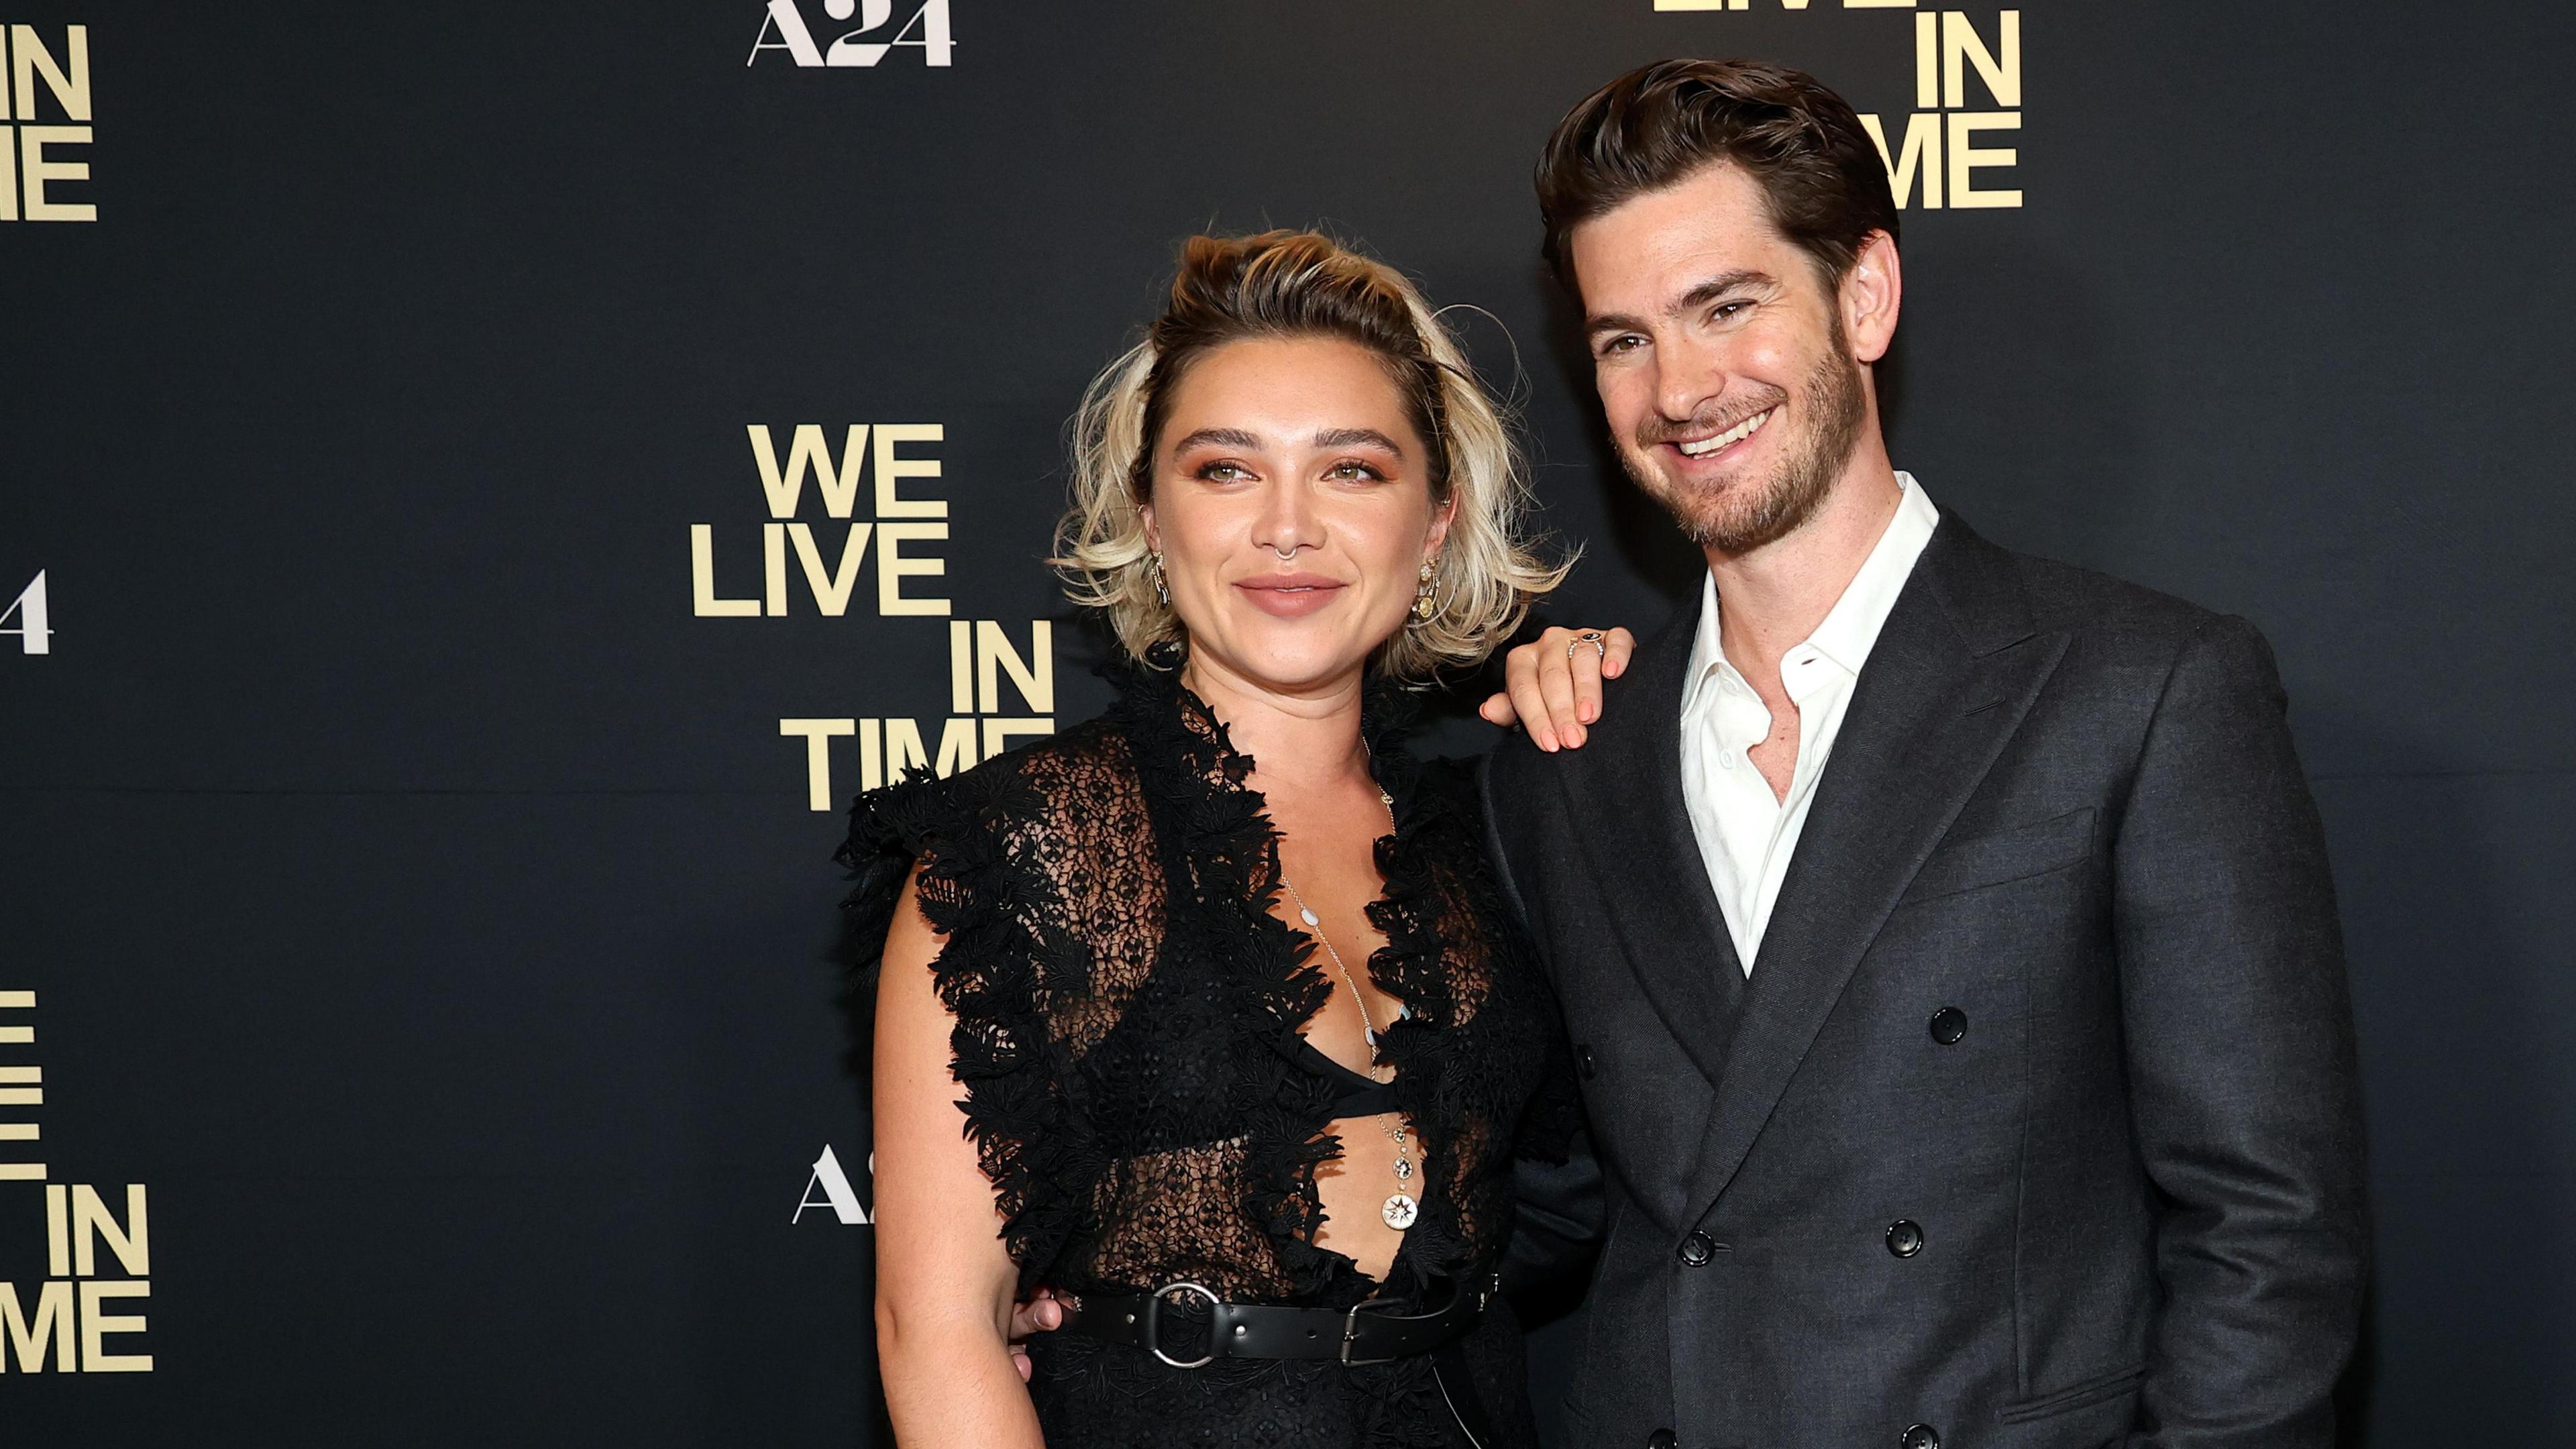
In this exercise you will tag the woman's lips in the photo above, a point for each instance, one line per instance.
(1289, 596)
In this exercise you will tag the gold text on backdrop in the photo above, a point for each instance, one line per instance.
(71, 1310)
(1934, 164)
(32, 133)
(875, 496)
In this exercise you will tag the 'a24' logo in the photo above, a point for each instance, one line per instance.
(35, 632)
(926, 31)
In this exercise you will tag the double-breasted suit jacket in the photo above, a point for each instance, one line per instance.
(2036, 1122)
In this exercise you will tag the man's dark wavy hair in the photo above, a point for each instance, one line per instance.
(1659, 124)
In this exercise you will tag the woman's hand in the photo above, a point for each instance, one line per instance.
(1553, 684)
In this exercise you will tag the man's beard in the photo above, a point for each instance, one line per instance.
(1740, 519)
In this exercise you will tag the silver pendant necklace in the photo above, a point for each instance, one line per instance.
(1400, 1209)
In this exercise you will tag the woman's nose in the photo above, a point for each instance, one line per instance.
(1288, 520)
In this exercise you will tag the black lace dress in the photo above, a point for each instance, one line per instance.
(1128, 1040)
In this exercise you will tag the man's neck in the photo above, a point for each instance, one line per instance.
(1770, 598)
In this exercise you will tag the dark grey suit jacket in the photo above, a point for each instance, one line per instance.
(2124, 1206)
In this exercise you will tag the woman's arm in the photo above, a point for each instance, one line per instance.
(944, 1280)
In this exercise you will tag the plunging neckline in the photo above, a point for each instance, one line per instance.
(1361, 1095)
(1354, 1082)
(1215, 765)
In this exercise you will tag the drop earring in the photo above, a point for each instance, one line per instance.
(1424, 605)
(1162, 586)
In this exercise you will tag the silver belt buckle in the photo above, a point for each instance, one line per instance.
(1153, 1315)
(1351, 1330)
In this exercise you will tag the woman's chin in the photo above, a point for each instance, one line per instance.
(1288, 658)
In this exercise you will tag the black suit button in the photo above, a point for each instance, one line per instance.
(1948, 1025)
(1920, 1436)
(1905, 1237)
(1663, 1439)
(1586, 1063)
(1698, 1248)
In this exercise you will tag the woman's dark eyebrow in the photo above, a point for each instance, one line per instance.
(1357, 438)
(1217, 437)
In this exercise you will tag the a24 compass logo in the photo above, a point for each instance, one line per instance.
(783, 29)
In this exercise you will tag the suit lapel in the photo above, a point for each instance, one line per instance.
(1625, 792)
(1947, 683)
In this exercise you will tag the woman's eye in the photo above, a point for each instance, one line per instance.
(1224, 473)
(1352, 472)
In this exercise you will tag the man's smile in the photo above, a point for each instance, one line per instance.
(1703, 447)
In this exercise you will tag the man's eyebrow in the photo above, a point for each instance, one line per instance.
(1700, 295)
(1721, 284)
(1357, 438)
(1601, 322)
(1218, 438)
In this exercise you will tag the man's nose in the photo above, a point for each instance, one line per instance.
(1686, 378)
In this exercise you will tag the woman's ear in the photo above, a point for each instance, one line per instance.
(1153, 535)
(1441, 518)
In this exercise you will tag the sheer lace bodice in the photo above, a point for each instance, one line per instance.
(1128, 1041)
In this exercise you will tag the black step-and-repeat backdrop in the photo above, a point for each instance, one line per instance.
(481, 484)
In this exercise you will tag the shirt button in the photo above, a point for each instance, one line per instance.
(1920, 1436)
(1726, 759)
(1698, 1248)
(1905, 1237)
(1948, 1025)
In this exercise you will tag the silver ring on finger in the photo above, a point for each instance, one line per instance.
(1592, 637)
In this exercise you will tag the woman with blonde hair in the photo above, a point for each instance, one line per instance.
(1206, 1014)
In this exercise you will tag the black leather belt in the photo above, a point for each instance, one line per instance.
(1211, 1328)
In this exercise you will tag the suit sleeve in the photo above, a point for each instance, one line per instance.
(1556, 1232)
(2243, 1084)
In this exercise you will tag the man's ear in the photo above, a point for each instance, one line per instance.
(1870, 295)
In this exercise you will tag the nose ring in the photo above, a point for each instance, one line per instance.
(1284, 554)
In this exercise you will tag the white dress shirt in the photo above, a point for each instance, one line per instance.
(1747, 834)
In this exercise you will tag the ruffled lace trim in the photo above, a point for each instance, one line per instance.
(1236, 849)
(991, 975)
(1008, 956)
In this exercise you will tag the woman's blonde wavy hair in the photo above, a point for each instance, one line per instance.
(1302, 284)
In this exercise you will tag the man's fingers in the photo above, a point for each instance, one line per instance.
(1556, 685)
(1552, 685)
(1039, 1313)
(1520, 682)
(1036, 1314)
(1584, 663)
(1620, 644)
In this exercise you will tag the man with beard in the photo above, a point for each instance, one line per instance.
(1945, 934)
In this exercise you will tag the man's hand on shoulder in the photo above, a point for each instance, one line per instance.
(1552, 685)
